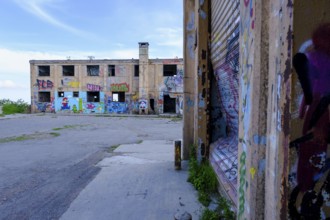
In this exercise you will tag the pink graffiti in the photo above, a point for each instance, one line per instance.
(92, 87)
(90, 106)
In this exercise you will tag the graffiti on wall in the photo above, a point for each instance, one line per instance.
(310, 197)
(247, 26)
(45, 84)
(174, 83)
(92, 87)
(117, 107)
(143, 104)
(119, 87)
(65, 104)
(69, 82)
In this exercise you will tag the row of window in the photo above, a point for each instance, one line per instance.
(94, 70)
(91, 96)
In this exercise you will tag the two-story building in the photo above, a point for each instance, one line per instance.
(144, 86)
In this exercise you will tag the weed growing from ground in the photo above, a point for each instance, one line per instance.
(203, 178)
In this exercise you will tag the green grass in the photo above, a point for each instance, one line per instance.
(139, 142)
(66, 127)
(112, 148)
(54, 134)
(25, 137)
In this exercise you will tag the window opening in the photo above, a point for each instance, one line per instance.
(118, 96)
(152, 104)
(44, 97)
(169, 70)
(76, 94)
(44, 70)
(136, 70)
(60, 94)
(68, 70)
(93, 96)
(93, 70)
(111, 70)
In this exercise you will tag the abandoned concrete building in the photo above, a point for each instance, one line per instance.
(251, 69)
(130, 86)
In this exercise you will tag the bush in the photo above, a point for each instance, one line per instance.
(11, 107)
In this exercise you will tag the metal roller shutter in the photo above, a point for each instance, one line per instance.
(225, 19)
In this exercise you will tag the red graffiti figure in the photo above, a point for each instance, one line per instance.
(313, 69)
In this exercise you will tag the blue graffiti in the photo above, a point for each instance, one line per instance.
(117, 107)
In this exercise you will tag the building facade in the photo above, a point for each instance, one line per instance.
(132, 86)
(256, 102)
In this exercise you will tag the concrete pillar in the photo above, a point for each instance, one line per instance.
(203, 82)
(254, 40)
(189, 76)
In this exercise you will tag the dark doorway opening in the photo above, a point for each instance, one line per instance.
(169, 104)
(152, 104)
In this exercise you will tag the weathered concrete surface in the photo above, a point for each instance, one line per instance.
(41, 176)
(140, 182)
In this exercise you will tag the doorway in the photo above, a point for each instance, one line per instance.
(169, 104)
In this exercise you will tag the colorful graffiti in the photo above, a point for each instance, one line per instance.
(65, 104)
(45, 84)
(143, 104)
(174, 83)
(117, 107)
(92, 87)
(120, 87)
(247, 26)
(69, 82)
(310, 198)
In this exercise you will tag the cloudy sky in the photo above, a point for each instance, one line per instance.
(105, 29)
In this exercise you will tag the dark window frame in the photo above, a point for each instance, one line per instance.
(60, 94)
(121, 96)
(75, 94)
(44, 69)
(91, 96)
(91, 69)
(170, 69)
(111, 70)
(136, 70)
(44, 97)
(68, 70)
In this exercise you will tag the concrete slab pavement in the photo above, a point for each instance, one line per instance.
(138, 182)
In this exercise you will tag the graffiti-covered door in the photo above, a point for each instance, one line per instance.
(224, 98)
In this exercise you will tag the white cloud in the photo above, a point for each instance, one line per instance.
(168, 37)
(36, 8)
(9, 84)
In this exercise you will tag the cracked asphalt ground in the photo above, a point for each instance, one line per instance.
(46, 160)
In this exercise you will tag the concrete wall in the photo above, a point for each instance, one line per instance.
(276, 179)
(123, 81)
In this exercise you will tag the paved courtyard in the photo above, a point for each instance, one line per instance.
(50, 164)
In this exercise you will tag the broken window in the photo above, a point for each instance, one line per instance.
(169, 70)
(136, 70)
(44, 96)
(118, 96)
(111, 70)
(93, 70)
(68, 70)
(44, 70)
(93, 96)
(76, 94)
(60, 94)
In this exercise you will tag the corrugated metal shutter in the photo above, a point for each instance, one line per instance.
(225, 19)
